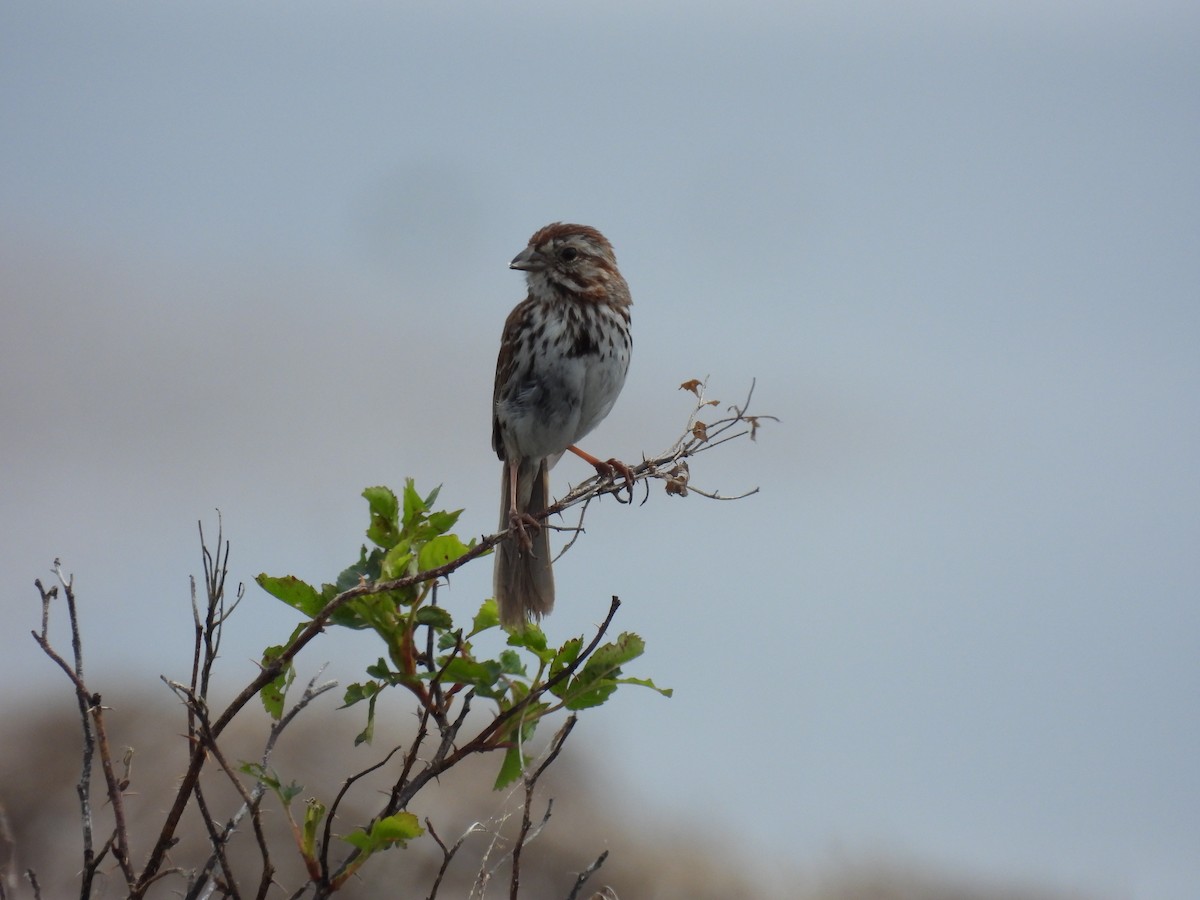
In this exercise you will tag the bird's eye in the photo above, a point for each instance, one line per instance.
(568, 254)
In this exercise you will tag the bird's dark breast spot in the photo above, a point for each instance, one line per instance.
(583, 343)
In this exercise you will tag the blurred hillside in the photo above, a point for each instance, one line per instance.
(649, 858)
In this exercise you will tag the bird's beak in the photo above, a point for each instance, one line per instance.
(526, 260)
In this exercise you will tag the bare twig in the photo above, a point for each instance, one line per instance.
(95, 738)
(586, 874)
(524, 836)
(201, 886)
(448, 853)
(205, 735)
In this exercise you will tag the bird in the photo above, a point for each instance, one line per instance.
(564, 354)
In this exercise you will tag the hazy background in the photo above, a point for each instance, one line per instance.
(253, 257)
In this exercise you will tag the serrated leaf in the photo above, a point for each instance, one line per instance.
(271, 781)
(396, 561)
(442, 521)
(356, 693)
(487, 617)
(610, 657)
(594, 695)
(601, 674)
(444, 548)
(384, 529)
(481, 675)
(359, 839)
(596, 682)
(646, 682)
(397, 829)
(391, 831)
(413, 504)
(448, 640)
(437, 616)
(380, 670)
(259, 772)
(366, 569)
(567, 654)
(532, 638)
(510, 663)
(274, 692)
(292, 591)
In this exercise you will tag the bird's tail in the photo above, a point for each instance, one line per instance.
(523, 580)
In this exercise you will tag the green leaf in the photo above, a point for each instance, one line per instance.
(414, 506)
(593, 695)
(533, 639)
(610, 657)
(511, 768)
(448, 640)
(566, 655)
(518, 731)
(646, 682)
(444, 548)
(487, 617)
(260, 773)
(275, 690)
(384, 529)
(442, 521)
(314, 812)
(292, 591)
(510, 663)
(397, 561)
(391, 831)
(380, 670)
(366, 569)
(601, 674)
(437, 616)
(481, 675)
(368, 733)
(356, 693)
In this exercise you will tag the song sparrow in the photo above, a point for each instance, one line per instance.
(562, 363)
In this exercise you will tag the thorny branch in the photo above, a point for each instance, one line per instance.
(531, 780)
(669, 466)
(485, 741)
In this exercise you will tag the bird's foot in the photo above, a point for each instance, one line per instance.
(520, 523)
(610, 469)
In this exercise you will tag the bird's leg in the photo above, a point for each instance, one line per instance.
(607, 468)
(519, 521)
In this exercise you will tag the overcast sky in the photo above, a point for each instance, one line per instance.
(253, 257)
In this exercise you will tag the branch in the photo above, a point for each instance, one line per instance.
(201, 887)
(483, 742)
(586, 874)
(524, 836)
(698, 438)
(95, 737)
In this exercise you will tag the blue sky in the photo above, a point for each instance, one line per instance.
(254, 258)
